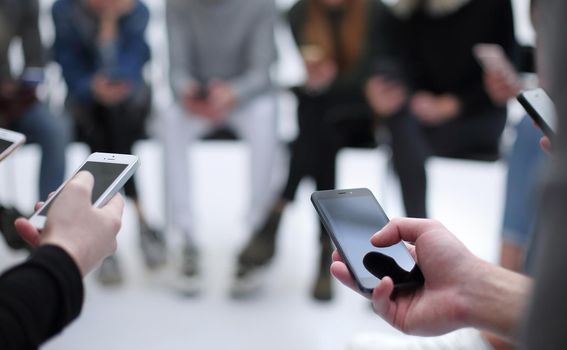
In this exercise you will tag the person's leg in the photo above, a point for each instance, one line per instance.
(260, 248)
(52, 135)
(409, 153)
(521, 195)
(179, 130)
(256, 124)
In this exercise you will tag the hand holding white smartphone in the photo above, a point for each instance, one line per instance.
(111, 172)
(541, 109)
(9, 142)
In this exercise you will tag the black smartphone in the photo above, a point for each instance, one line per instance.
(389, 69)
(202, 92)
(541, 109)
(351, 217)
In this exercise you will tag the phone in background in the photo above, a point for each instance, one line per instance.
(202, 92)
(9, 142)
(32, 77)
(388, 69)
(312, 54)
(492, 58)
(110, 172)
(117, 75)
(541, 109)
(351, 217)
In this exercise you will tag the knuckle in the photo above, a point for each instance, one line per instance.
(114, 246)
(116, 224)
(78, 187)
(396, 221)
(435, 222)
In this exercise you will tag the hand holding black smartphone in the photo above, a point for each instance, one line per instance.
(352, 217)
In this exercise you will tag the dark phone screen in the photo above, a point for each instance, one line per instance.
(353, 219)
(4, 145)
(104, 174)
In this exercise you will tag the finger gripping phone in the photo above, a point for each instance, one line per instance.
(541, 109)
(111, 171)
(351, 217)
(9, 142)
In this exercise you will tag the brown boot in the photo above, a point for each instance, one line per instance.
(262, 246)
(250, 272)
(323, 289)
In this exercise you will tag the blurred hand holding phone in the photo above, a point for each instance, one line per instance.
(386, 89)
(492, 57)
(110, 91)
(501, 80)
(32, 77)
(321, 71)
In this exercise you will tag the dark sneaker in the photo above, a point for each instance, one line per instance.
(323, 288)
(189, 280)
(153, 246)
(110, 273)
(8, 229)
(261, 248)
(323, 291)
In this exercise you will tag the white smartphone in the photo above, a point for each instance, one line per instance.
(9, 142)
(110, 172)
(493, 58)
(541, 109)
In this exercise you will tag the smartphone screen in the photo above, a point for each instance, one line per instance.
(4, 145)
(104, 174)
(352, 219)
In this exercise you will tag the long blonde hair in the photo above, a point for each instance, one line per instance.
(317, 31)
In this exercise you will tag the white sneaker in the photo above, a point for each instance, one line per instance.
(188, 282)
(248, 281)
(464, 339)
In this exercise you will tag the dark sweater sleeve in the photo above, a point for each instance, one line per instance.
(545, 327)
(475, 99)
(39, 298)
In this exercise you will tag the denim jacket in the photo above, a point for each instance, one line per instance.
(81, 57)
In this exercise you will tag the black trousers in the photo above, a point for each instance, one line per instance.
(466, 137)
(329, 122)
(326, 123)
(112, 129)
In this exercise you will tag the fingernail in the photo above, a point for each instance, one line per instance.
(376, 236)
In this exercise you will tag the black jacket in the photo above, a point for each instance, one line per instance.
(39, 298)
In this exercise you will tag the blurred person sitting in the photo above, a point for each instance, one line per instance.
(445, 91)
(339, 41)
(102, 51)
(525, 164)
(41, 296)
(20, 109)
(220, 53)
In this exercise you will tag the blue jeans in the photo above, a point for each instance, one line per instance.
(52, 135)
(524, 164)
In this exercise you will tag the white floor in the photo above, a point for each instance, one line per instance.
(146, 314)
